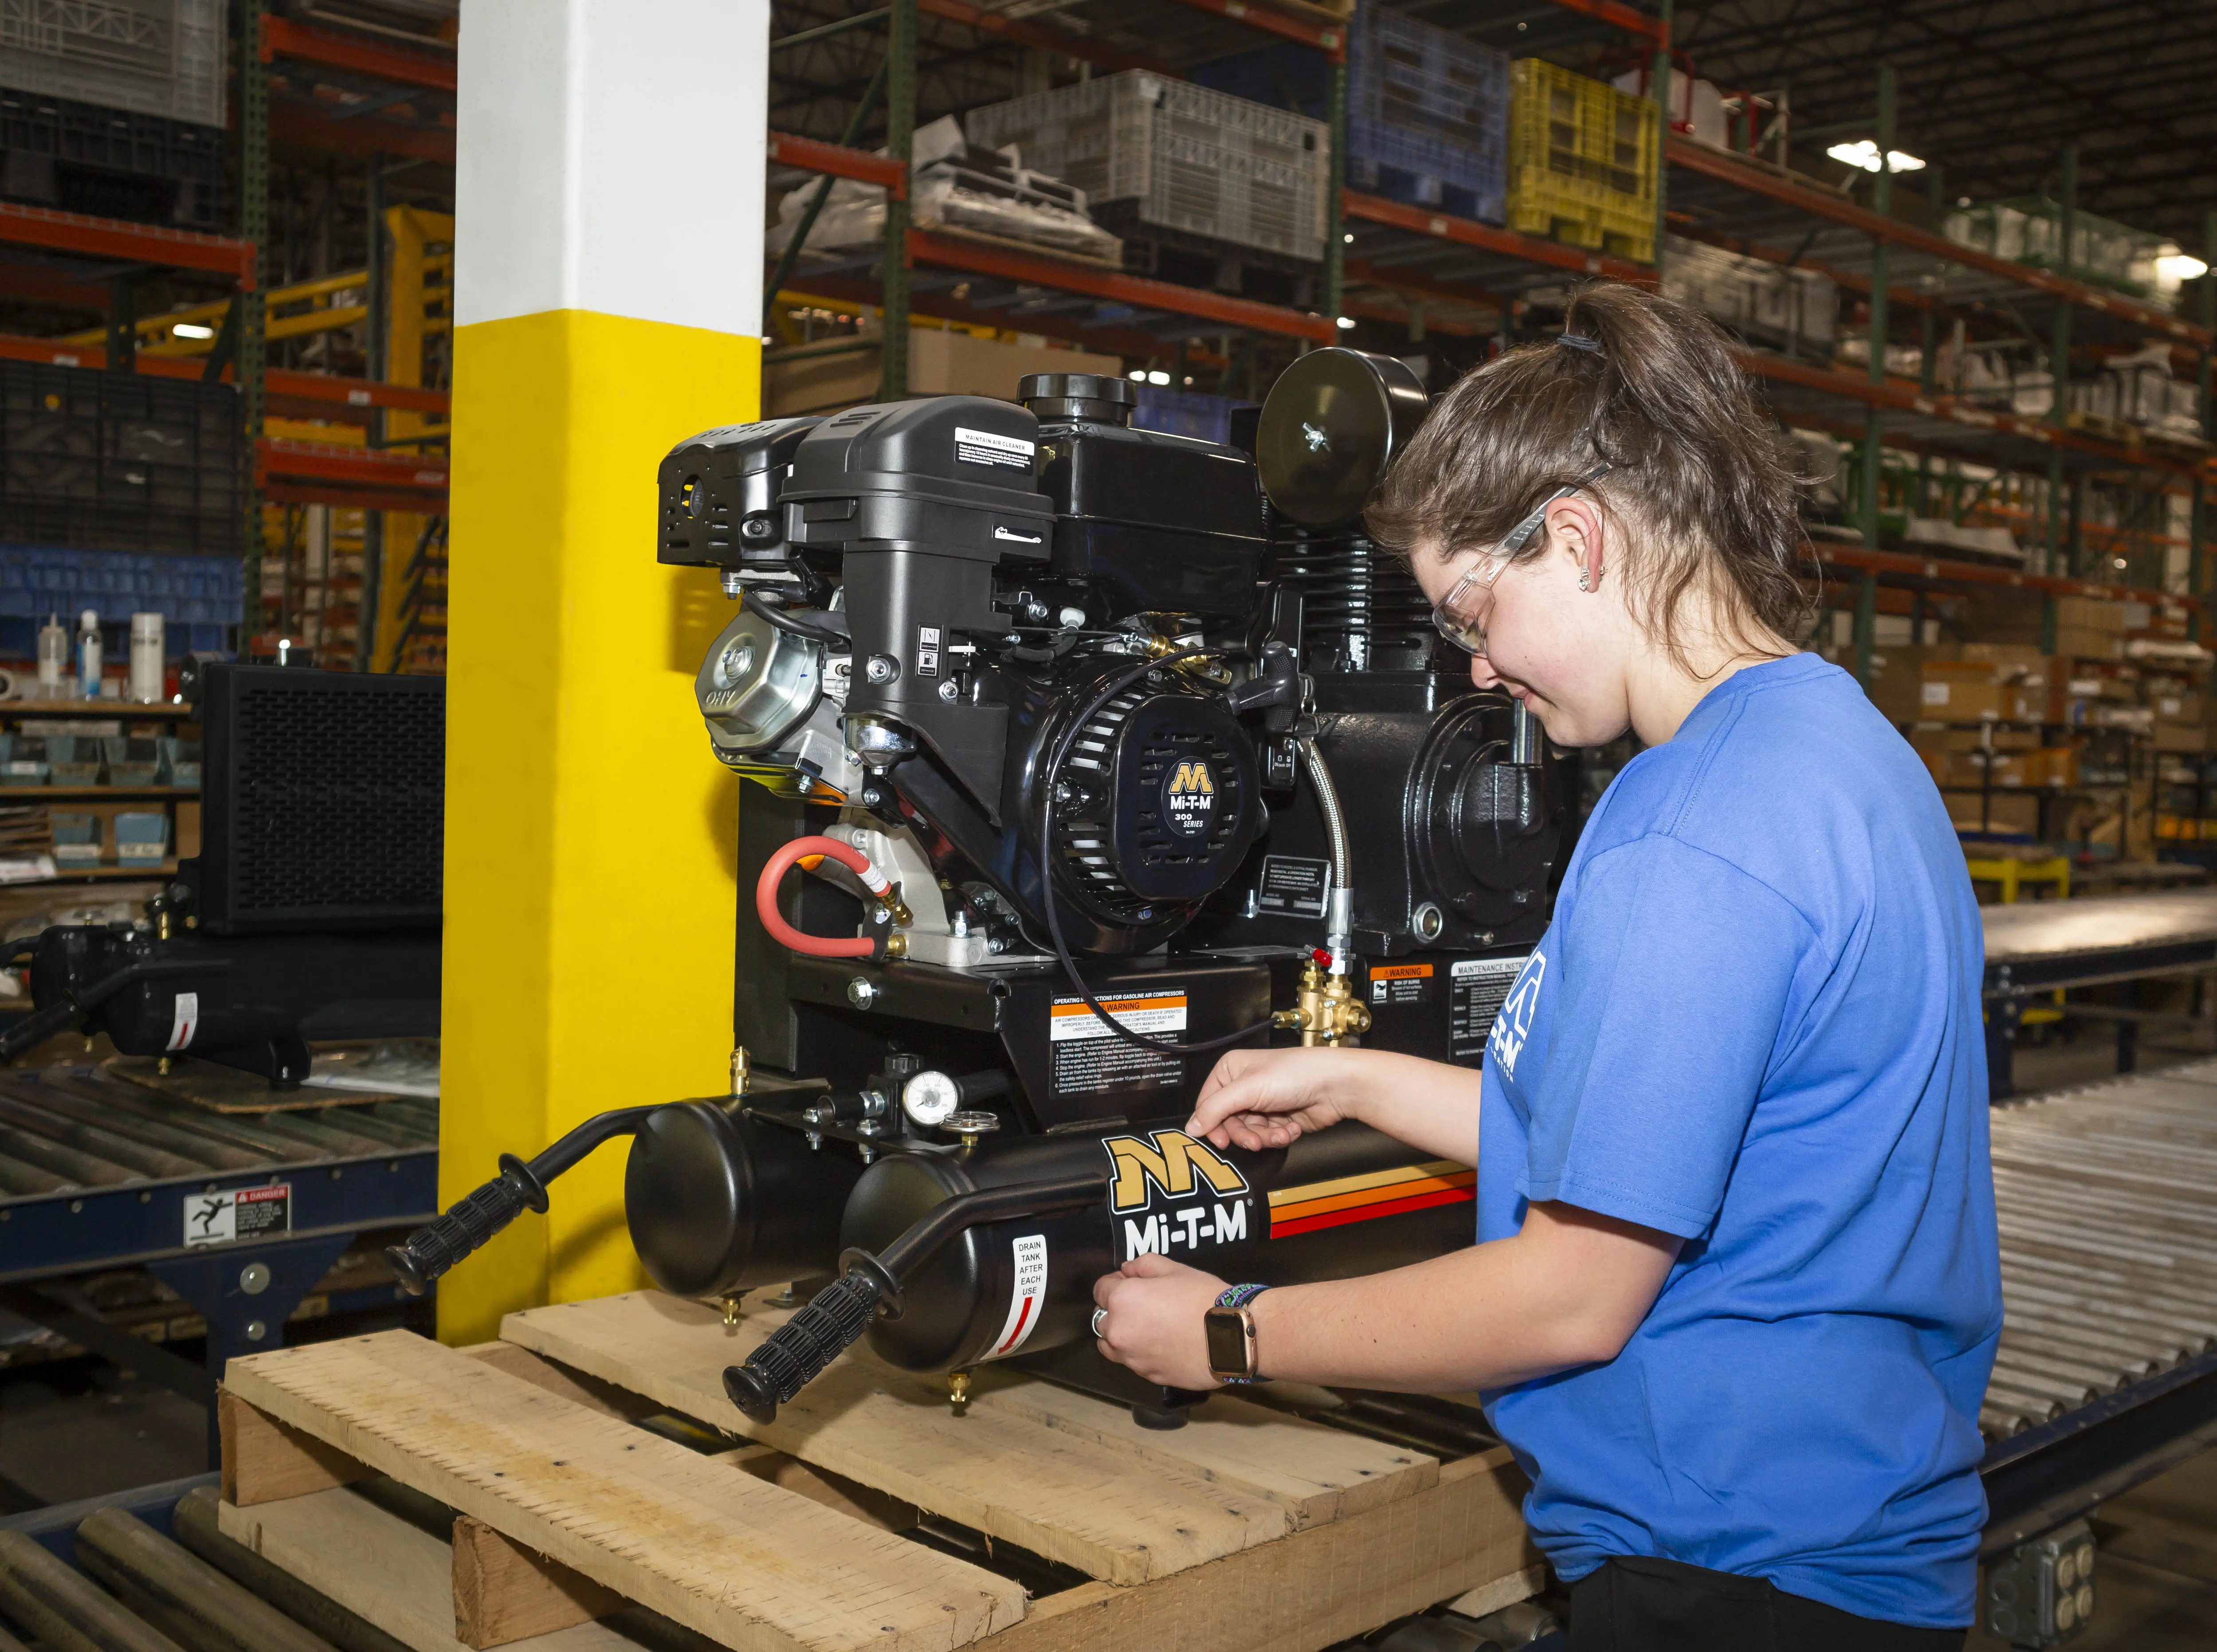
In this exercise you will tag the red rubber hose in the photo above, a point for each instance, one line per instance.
(773, 921)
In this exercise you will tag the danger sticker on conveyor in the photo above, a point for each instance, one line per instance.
(985, 448)
(240, 1213)
(1029, 1251)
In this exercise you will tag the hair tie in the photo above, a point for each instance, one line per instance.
(1579, 342)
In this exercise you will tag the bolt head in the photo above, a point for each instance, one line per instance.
(950, 691)
(861, 992)
(257, 1330)
(254, 1279)
(880, 669)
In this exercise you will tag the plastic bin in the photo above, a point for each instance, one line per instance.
(180, 761)
(1194, 158)
(83, 157)
(1427, 110)
(76, 840)
(131, 761)
(1582, 160)
(23, 760)
(141, 839)
(73, 759)
(196, 597)
(169, 61)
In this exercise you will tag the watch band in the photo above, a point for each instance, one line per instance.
(1238, 1296)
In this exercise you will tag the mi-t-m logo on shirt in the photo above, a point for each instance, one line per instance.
(1513, 1024)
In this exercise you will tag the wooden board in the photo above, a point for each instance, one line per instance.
(744, 1562)
(381, 1568)
(1076, 1499)
(1317, 1473)
(505, 1593)
(1315, 1588)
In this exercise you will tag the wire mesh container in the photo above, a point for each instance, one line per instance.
(1193, 159)
(156, 57)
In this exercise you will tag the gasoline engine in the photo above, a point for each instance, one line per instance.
(1098, 752)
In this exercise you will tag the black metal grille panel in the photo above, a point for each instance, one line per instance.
(326, 797)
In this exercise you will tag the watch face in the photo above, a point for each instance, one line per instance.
(1227, 1341)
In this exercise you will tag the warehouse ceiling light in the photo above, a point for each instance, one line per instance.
(1347, 321)
(192, 329)
(2173, 265)
(1158, 377)
(1864, 153)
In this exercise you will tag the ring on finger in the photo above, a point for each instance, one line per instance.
(1099, 1314)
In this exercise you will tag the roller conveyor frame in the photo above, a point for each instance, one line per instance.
(117, 1168)
(2108, 1244)
(2036, 946)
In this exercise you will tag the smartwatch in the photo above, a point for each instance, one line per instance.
(1231, 1329)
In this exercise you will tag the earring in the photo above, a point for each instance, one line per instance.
(1585, 582)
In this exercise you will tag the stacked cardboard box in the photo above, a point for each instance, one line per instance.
(2181, 720)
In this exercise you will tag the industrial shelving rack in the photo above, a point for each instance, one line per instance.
(1387, 259)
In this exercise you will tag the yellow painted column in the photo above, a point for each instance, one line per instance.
(607, 303)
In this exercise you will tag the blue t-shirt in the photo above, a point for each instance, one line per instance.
(1754, 1023)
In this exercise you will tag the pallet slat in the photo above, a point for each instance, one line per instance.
(744, 1562)
(1209, 1490)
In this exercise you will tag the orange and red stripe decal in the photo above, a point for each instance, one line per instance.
(1318, 1205)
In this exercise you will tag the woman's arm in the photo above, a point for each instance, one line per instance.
(1259, 1098)
(1568, 1289)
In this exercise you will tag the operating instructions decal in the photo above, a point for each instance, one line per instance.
(1170, 1193)
(1090, 1059)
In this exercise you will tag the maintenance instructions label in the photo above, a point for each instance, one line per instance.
(1400, 983)
(241, 1213)
(1169, 1193)
(1476, 989)
(1291, 887)
(984, 447)
(1029, 1251)
(1089, 1059)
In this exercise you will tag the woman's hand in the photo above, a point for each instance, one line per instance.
(1258, 1098)
(1152, 1319)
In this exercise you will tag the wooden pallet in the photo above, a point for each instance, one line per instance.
(1248, 1528)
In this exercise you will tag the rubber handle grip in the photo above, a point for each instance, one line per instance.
(831, 1322)
(436, 1247)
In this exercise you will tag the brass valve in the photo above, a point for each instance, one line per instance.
(958, 1389)
(1325, 1009)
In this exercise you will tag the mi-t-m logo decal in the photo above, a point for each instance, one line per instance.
(1161, 1187)
(1513, 1025)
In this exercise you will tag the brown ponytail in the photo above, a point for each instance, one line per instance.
(1699, 470)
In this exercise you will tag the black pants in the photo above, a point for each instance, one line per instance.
(1638, 1605)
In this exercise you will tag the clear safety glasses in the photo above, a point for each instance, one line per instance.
(1459, 616)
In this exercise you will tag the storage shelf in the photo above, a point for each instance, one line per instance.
(12, 796)
(114, 710)
(98, 875)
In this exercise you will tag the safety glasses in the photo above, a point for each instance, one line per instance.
(1458, 616)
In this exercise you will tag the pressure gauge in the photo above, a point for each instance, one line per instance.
(930, 1099)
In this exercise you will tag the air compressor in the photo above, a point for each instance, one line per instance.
(1079, 753)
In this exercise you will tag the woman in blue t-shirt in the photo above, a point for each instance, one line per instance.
(1736, 1293)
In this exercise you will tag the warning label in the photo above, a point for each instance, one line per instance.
(1089, 1059)
(1030, 1253)
(984, 447)
(1400, 983)
(1477, 988)
(1291, 887)
(927, 650)
(243, 1214)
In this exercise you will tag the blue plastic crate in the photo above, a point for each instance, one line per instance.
(1183, 413)
(198, 597)
(1428, 110)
